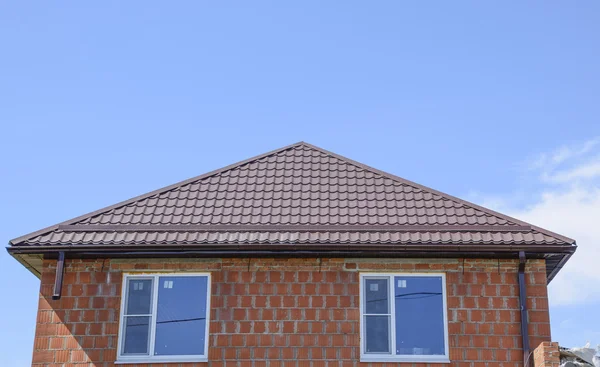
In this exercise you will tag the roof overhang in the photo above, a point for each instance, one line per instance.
(555, 255)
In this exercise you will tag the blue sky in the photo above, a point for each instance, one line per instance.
(492, 102)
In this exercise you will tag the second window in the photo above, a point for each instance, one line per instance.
(403, 317)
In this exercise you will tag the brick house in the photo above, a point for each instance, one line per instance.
(297, 257)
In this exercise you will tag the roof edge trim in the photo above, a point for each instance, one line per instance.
(283, 248)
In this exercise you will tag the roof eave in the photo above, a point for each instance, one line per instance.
(562, 262)
(400, 249)
(21, 253)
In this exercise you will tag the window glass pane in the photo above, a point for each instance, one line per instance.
(139, 296)
(181, 316)
(377, 334)
(419, 315)
(376, 296)
(136, 335)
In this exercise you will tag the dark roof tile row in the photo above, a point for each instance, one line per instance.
(258, 237)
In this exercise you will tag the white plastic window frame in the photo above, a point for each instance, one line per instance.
(150, 358)
(392, 356)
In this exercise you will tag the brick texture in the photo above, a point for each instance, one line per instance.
(290, 312)
(546, 355)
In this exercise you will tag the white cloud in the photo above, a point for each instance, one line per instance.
(575, 213)
(585, 171)
(568, 203)
(551, 160)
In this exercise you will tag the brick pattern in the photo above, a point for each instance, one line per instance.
(290, 312)
(546, 354)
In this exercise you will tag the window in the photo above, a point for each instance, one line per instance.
(164, 318)
(403, 318)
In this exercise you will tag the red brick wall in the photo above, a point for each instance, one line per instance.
(291, 312)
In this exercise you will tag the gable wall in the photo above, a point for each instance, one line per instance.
(291, 312)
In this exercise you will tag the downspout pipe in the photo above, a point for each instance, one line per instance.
(58, 280)
(523, 302)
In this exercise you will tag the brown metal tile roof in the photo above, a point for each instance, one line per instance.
(299, 194)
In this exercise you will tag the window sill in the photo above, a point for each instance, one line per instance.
(410, 359)
(161, 360)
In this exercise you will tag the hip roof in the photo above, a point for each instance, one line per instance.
(300, 197)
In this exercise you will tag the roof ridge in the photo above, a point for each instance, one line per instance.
(152, 193)
(447, 196)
